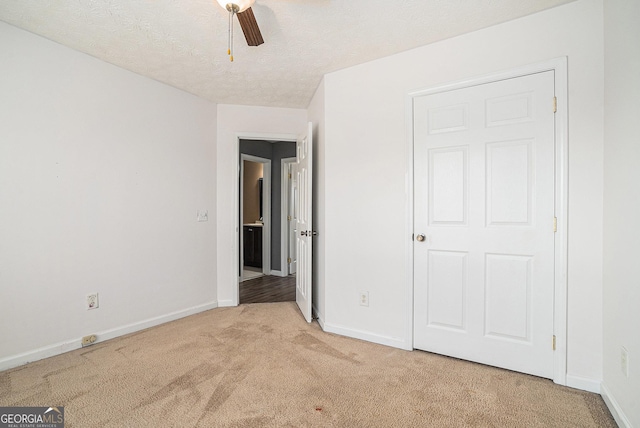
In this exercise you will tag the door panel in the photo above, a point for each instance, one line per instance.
(447, 282)
(484, 199)
(509, 183)
(293, 219)
(508, 279)
(304, 234)
(449, 185)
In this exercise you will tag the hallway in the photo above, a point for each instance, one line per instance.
(267, 289)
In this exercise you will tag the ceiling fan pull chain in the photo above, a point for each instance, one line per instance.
(233, 12)
(247, 21)
(230, 48)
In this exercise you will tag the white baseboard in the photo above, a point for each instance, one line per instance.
(583, 383)
(319, 317)
(365, 335)
(225, 303)
(277, 273)
(73, 344)
(614, 408)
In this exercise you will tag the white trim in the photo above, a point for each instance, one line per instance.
(266, 212)
(561, 239)
(614, 407)
(277, 273)
(554, 64)
(266, 218)
(409, 179)
(284, 213)
(240, 229)
(559, 66)
(226, 303)
(583, 383)
(259, 136)
(319, 317)
(237, 247)
(396, 342)
(73, 344)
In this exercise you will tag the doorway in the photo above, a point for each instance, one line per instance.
(255, 216)
(489, 220)
(263, 221)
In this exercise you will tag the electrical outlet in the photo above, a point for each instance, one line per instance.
(92, 301)
(364, 298)
(89, 340)
(203, 215)
(624, 361)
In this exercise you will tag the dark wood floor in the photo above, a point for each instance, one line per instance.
(268, 289)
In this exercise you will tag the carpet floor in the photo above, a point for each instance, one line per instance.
(262, 365)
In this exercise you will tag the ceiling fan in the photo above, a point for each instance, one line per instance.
(247, 20)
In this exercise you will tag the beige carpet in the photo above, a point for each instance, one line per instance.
(261, 365)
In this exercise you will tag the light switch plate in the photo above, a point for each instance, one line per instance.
(92, 301)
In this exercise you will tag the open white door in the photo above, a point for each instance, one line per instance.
(304, 235)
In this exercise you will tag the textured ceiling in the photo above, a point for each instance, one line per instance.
(183, 42)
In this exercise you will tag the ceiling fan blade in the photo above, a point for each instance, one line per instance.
(250, 28)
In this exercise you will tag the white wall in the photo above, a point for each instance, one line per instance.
(366, 161)
(241, 121)
(316, 115)
(622, 207)
(101, 174)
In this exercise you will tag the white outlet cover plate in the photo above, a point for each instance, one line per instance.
(364, 298)
(203, 215)
(624, 361)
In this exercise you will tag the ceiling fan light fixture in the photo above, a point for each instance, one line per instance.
(242, 9)
(240, 5)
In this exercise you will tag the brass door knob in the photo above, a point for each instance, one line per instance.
(421, 237)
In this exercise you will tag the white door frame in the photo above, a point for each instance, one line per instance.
(284, 229)
(235, 301)
(266, 212)
(559, 66)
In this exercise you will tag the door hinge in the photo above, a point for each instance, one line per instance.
(555, 104)
(555, 224)
(289, 175)
(288, 218)
(289, 260)
(554, 342)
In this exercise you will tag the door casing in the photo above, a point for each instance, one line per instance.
(235, 300)
(559, 66)
(266, 233)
